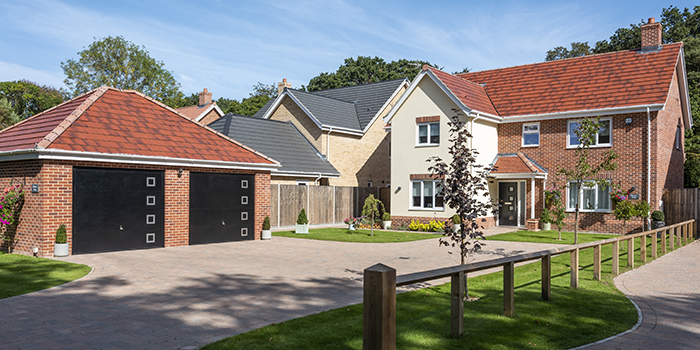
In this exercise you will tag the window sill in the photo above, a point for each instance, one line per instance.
(523, 146)
(428, 145)
(426, 209)
(596, 146)
(607, 211)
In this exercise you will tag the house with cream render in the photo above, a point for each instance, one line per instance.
(345, 125)
(523, 119)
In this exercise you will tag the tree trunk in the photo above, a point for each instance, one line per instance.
(576, 228)
(372, 225)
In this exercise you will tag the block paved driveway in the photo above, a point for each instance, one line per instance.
(186, 297)
(667, 290)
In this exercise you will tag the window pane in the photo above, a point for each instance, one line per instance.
(588, 199)
(422, 134)
(573, 192)
(435, 133)
(573, 139)
(427, 194)
(416, 194)
(531, 139)
(604, 134)
(604, 197)
(439, 200)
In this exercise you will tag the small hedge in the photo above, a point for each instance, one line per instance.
(266, 223)
(658, 215)
(302, 220)
(61, 236)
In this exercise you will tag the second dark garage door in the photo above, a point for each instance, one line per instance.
(222, 207)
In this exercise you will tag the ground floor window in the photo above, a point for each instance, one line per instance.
(426, 194)
(594, 197)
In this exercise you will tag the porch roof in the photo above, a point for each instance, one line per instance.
(516, 165)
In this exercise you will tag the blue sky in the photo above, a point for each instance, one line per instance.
(229, 46)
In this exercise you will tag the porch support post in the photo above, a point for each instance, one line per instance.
(532, 198)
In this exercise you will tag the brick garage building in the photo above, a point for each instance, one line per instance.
(123, 171)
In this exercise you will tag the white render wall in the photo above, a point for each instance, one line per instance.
(426, 100)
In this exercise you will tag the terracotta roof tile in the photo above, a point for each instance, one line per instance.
(193, 112)
(515, 163)
(472, 95)
(617, 79)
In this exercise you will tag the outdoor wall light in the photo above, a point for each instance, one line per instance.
(179, 172)
(628, 121)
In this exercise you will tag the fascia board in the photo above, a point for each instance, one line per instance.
(303, 174)
(518, 176)
(685, 95)
(403, 98)
(583, 113)
(342, 130)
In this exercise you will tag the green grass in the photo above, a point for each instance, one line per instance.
(574, 317)
(358, 236)
(548, 237)
(21, 274)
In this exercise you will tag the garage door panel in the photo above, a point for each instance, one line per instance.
(216, 207)
(111, 210)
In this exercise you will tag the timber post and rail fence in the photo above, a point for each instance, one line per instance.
(380, 281)
(325, 205)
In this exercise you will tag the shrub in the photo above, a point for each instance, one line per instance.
(386, 217)
(266, 223)
(456, 219)
(302, 220)
(61, 236)
(546, 217)
(432, 226)
(658, 215)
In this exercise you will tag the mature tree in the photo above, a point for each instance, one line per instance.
(585, 174)
(119, 63)
(7, 114)
(365, 70)
(577, 49)
(261, 94)
(28, 98)
(464, 189)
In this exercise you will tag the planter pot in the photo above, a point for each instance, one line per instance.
(351, 227)
(657, 224)
(302, 228)
(60, 249)
(457, 227)
(546, 226)
(266, 234)
(387, 224)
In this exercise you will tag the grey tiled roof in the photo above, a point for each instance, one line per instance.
(351, 107)
(276, 139)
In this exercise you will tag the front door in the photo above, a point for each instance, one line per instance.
(508, 199)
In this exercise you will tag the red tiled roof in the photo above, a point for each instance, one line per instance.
(516, 163)
(472, 95)
(124, 122)
(193, 112)
(617, 79)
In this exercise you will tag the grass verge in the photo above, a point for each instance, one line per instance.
(551, 236)
(20, 274)
(358, 236)
(574, 317)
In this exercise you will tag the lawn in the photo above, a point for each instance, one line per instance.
(358, 236)
(21, 274)
(574, 317)
(551, 236)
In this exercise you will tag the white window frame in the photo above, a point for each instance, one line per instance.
(580, 202)
(427, 144)
(597, 144)
(538, 132)
(422, 188)
(302, 182)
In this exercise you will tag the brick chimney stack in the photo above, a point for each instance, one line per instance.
(204, 97)
(651, 35)
(282, 85)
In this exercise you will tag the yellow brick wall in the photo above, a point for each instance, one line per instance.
(289, 111)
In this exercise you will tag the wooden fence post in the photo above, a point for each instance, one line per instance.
(654, 244)
(685, 234)
(663, 241)
(616, 258)
(643, 248)
(574, 268)
(630, 252)
(672, 239)
(457, 299)
(509, 290)
(379, 308)
(546, 277)
(596, 262)
(679, 236)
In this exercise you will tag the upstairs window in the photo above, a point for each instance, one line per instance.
(602, 139)
(531, 134)
(428, 134)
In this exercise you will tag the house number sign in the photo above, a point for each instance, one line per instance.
(35, 188)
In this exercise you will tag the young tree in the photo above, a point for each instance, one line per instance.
(372, 209)
(554, 201)
(625, 211)
(121, 64)
(584, 173)
(464, 189)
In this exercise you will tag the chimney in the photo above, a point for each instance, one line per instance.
(651, 35)
(282, 85)
(204, 97)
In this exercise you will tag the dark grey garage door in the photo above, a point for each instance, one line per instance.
(117, 209)
(222, 207)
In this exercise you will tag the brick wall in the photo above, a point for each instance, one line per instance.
(667, 171)
(29, 229)
(177, 207)
(397, 221)
(210, 117)
(290, 111)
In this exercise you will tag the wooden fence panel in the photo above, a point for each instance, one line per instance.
(274, 199)
(344, 204)
(292, 199)
(681, 204)
(321, 204)
(385, 197)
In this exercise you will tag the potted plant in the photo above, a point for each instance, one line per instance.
(302, 223)
(546, 220)
(351, 222)
(60, 248)
(266, 232)
(386, 220)
(456, 223)
(657, 219)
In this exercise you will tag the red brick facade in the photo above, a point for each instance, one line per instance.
(43, 212)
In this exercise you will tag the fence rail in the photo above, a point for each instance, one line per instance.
(380, 281)
(323, 204)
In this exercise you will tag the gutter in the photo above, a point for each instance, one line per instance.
(648, 158)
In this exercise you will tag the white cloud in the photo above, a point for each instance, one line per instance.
(11, 72)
